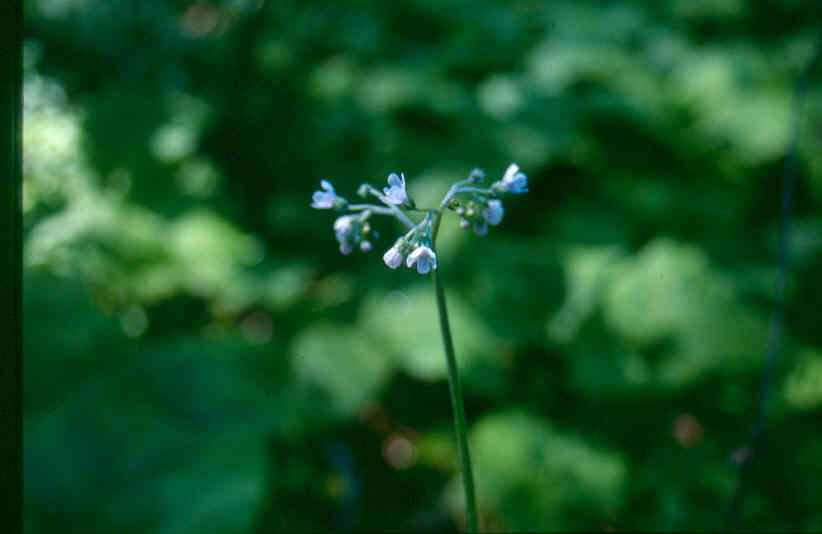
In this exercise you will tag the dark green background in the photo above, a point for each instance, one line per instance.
(200, 358)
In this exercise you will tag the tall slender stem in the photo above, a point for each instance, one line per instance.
(460, 424)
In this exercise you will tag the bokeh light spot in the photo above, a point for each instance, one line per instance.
(399, 452)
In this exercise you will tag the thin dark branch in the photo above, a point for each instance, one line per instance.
(746, 455)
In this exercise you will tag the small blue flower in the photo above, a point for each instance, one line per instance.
(513, 181)
(396, 193)
(344, 227)
(324, 200)
(346, 230)
(480, 228)
(493, 212)
(394, 256)
(424, 257)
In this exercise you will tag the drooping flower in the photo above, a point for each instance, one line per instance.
(396, 193)
(394, 256)
(480, 228)
(365, 246)
(326, 199)
(493, 212)
(424, 258)
(513, 181)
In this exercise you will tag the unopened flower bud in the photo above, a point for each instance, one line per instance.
(394, 256)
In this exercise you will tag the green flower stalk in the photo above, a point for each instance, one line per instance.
(478, 207)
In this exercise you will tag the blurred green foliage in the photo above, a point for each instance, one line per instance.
(200, 358)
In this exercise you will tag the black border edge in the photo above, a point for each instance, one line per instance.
(11, 283)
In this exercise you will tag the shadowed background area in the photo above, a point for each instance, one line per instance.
(199, 357)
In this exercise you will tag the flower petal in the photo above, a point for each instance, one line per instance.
(510, 172)
(394, 180)
(423, 265)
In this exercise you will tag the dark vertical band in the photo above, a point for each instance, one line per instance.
(11, 278)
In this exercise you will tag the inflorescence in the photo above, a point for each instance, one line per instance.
(477, 207)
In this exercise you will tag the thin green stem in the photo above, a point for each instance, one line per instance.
(402, 216)
(370, 207)
(481, 190)
(421, 210)
(460, 424)
(394, 209)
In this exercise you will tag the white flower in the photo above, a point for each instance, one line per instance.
(481, 228)
(393, 257)
(396, 194)
(514, 181)
(365, 246)
(344, 227)
(493, 213)
(346, 230)
(464, 223)
(324, 200)
(424, 257)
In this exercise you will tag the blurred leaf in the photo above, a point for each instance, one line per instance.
(407, 325)
(533, 477)
(344, 364)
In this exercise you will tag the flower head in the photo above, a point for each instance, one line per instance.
(326, 199)
(424, 258)
(493, 212)
(396, 193)
(480, 228)
(513, 181)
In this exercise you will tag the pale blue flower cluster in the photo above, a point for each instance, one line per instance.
(414, 248)
(353, 231)
(477, 207)
(479, 212)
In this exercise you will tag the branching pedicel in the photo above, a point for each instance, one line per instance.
(477, 208)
